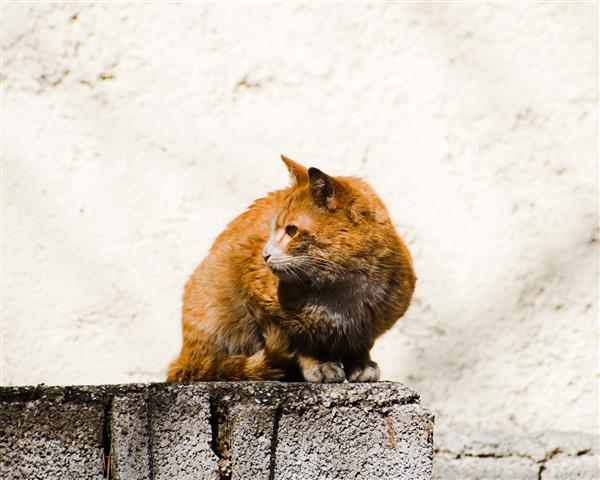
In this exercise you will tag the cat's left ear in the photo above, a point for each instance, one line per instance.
(298, 173)
(323, 188)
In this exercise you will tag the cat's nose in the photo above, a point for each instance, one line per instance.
(266, 256)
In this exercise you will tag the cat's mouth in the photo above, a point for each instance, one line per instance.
(304, 269)
(277, 266)
(281, 267)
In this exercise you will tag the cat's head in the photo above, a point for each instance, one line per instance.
(326, 229)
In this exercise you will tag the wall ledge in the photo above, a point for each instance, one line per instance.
(220, 430)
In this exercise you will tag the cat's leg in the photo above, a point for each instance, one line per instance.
(360, 368)
(320, 372)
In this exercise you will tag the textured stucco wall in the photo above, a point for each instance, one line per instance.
(132, 134)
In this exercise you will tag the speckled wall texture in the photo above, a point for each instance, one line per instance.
(132, 134)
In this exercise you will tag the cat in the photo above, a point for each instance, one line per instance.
(297, 288)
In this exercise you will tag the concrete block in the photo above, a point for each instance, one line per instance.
(130, 438)
(50, 438)
(486, 468)
(360, 443)
(571, 468)
(466, 441)
(181, 434)
(253, 439)
(468, 454)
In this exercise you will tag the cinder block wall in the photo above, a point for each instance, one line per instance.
(216, 431)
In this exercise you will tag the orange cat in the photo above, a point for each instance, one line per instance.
(297, 287)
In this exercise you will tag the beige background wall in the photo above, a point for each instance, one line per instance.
(132, 134)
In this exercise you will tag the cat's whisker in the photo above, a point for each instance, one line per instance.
(287, 268)
(319, 262)
(312, 257)
(291, 271)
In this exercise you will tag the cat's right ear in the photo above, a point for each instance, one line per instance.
(298, 173)
(323, 189)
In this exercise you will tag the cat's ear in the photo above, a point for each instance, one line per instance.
(298, 173)
(323, 189)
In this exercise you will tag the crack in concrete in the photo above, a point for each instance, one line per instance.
(107, 441)
(540, 471)
(221, 433)
(274, 441)
(462, 454)
(149, 413)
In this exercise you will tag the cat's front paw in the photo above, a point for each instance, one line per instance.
(323, 372)
(365, 373)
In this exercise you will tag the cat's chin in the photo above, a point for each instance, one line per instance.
(284, 274)
(281, 273)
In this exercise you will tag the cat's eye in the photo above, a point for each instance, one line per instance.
(291, 230)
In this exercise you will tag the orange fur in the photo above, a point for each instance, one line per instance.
(298, 286)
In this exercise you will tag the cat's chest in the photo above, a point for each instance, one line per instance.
(336, 309)
(328, 327)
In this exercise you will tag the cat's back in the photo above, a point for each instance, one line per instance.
(248, 227)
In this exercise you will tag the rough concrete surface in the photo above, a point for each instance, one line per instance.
(132, 133)
(361, 443)
(216, 431)
(181, 435)
(51, 435)
(254, 425)
(468, 454)
(129, 429)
